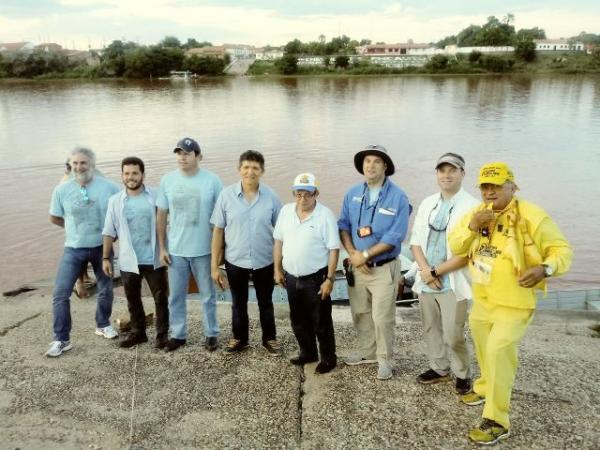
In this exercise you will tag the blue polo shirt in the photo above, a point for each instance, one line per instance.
(248, 226)
(387, 217)
(190, 201)
(83, 209)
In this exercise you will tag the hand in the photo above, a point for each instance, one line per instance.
(531, 277)
(357, 258)
(107, 267)
(481, 219)
(436, 283)
(219, 279)
(279, 278)
(426, 276)
(326, 288)
(165, 258)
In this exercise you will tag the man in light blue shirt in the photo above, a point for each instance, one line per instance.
(373, 224)
(131, 218)
(243, 219)
(79, 206)
(187, 197)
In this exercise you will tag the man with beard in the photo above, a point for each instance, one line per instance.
(131, 218)
(79, 206)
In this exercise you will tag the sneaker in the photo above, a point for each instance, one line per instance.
(235, 346)
(301, 360)
(463, 386)
(472, 399)
(133, 339)
(173, 344)
(385, 370)
(108, 332)
(325, 366)
(431, 376)
(57, 348)
(355, 360)
(273, 347)
(211, 343)
(488, 433)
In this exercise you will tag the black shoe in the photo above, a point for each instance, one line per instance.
(324, 367)
(133, 339)
(161, 342)
(301, 360)
(173, 344)
(235, 346)
(463, 386)
(211, 343)
(431, 376)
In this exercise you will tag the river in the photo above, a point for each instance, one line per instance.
(547, 127)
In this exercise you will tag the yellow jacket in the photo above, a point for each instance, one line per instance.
(503, 286)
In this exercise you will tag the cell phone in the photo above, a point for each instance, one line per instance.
(348, 272)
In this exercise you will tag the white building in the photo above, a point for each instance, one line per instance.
(553, 45)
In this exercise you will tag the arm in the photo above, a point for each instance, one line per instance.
(278, 262)
(161, 235)
(59, 221)
(216, 256)
(107, 242)
(327, 285)
(425, 268)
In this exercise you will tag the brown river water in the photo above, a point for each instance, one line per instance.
(547, 127)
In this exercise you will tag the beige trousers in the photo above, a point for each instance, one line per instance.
(373, 307)
(444, 320)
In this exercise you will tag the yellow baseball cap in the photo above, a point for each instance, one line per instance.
(496, 173)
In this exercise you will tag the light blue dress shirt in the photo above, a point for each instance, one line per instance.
(190, 201)
(83, 209)
(137, 238)
(248, 226)
(436, 241)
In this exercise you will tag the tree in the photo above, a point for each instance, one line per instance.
(530, 33)
(170, 41)
(525, 49)
(494, 33)
(113, 57)
(342, 61)
(205, 65)
(437, 63)
(469, 36)
(193, 43)
(288, 64)
(475, 56)
(293, 47)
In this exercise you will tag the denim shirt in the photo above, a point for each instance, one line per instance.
(115, 225)
(387, 217)
(248, 226)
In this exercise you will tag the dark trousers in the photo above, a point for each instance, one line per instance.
(311, 316)
(238, 278)
(159, 286)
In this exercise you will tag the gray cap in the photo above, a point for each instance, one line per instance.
(451, 158)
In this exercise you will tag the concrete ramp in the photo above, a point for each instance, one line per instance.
(239, 66)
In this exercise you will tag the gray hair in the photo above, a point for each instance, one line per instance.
(89, 154)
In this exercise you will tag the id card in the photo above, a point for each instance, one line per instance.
(483, 266)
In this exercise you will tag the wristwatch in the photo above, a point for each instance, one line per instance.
(547, 270)
(365, 253)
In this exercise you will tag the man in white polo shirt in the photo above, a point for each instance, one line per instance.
(305, 255)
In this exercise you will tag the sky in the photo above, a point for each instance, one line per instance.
(96, 23)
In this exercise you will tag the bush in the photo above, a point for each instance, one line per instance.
(475, 56)
(342, 61)
(525, 50)
(497, 64)
(287, 65)
(437, 63)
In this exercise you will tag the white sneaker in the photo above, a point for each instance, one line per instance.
(57, 348)
(385, 370)
(355, 360)
(108, 332)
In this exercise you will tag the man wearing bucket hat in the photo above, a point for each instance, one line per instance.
(442, 280)
(187, 196)
(305, 255)
(512, 246)
(373, 224)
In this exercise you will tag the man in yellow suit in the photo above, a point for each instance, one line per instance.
(512, 247)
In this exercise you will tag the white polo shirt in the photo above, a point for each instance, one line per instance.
(306, 244)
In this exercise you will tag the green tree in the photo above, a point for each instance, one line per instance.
(193, 43)
(448, 40)
(495, 33)
(288, 64)
(437, 63)
(113, 57)
(170, 41)
(469, 37)
(293, 47)
(205, 65)
(525, 49)
(530, 33)
(342, 61)
(475, 57)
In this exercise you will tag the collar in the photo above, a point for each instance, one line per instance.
(239, 192)
(124, 192)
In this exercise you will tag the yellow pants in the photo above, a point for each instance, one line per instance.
(496, 332)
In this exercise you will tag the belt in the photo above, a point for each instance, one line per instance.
(379, 263)
(318, 273)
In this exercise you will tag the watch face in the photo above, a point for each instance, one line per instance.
(547, 271)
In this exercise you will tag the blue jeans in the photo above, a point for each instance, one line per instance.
(179, 277)
(69, 270)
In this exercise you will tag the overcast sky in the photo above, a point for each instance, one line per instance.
(79, 23)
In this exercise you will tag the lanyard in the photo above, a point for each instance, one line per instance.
(374, 206)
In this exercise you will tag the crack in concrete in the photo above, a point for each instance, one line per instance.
(5, 330)
(300, 406)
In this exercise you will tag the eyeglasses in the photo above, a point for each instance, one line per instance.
(304, 196)
(84, 193)
(433, 227)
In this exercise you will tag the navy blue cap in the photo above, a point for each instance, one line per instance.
(187, 145)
